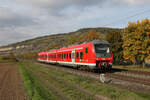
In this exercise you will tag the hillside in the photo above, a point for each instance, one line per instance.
(49, 42)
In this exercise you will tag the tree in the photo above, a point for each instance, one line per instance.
(77, 38)
(73, 39)
(115, 39)
(136, 41)
(92, 35)
(10, 57)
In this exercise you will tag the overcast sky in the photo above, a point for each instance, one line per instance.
(26, 19)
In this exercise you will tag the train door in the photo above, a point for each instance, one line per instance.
(73, 56)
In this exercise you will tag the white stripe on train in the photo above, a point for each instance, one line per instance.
(69, 63)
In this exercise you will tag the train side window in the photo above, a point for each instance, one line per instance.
(69, 55)
(86, 50)
(77, 55)
(81, 55)
(64, 56)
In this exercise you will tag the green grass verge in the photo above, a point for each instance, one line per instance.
(92, 85)
(70, 92)
(35, 90)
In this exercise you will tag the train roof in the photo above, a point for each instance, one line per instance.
(99, 41)
(83, 44)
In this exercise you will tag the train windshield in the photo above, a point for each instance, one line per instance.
(102, 50)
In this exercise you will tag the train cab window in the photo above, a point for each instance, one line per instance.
(81, 55)
(77, 55)
(86, 50)
(69, 55)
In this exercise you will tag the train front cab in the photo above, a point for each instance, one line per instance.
(103, 55)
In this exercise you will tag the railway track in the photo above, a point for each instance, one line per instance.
(130, 73)
(71, 85)
(132, 80)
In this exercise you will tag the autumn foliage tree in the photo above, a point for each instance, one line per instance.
(136, 41)
(92, 35)
(115, 40)
(11, 57)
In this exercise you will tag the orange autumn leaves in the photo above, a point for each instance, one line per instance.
(136, 41)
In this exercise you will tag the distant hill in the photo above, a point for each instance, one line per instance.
(48, 42)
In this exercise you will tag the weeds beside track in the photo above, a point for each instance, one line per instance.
(35, 90)
(79, 87)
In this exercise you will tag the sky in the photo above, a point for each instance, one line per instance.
(25, 19)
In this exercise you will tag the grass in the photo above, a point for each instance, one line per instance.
(135, 68)
(35, 90)
(87, 83)
(69, 92)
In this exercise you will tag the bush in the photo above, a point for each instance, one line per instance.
(10, 57)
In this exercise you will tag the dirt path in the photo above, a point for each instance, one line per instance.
(11, 86)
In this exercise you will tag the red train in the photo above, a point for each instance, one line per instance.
(96, 54)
